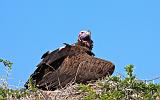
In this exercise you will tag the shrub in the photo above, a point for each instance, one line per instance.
(117, 88)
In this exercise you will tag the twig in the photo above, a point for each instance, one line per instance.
(56, 73)
(78, 70)
(152, 79)
(42, 95)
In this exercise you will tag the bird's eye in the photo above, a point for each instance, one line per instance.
(82, 32)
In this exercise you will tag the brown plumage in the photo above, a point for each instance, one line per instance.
(69, 64)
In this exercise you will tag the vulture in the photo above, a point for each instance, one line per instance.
(72, 63)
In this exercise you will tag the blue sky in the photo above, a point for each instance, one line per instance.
(124, 32)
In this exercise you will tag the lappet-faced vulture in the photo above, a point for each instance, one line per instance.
(72, 63)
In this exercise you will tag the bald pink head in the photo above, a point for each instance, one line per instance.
(84, 38)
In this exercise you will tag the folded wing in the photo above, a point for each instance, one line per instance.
(52, 61)
(80, 68)
(70, 64)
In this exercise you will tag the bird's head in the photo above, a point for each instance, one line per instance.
(84, 39)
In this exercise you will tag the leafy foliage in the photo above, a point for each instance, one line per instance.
(91, 92)
(6, 63)
(11, 94)
(117, 88)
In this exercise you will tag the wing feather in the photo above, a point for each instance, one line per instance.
(51, 63)
(78, 68)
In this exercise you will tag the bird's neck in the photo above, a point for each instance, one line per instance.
(83, 45)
